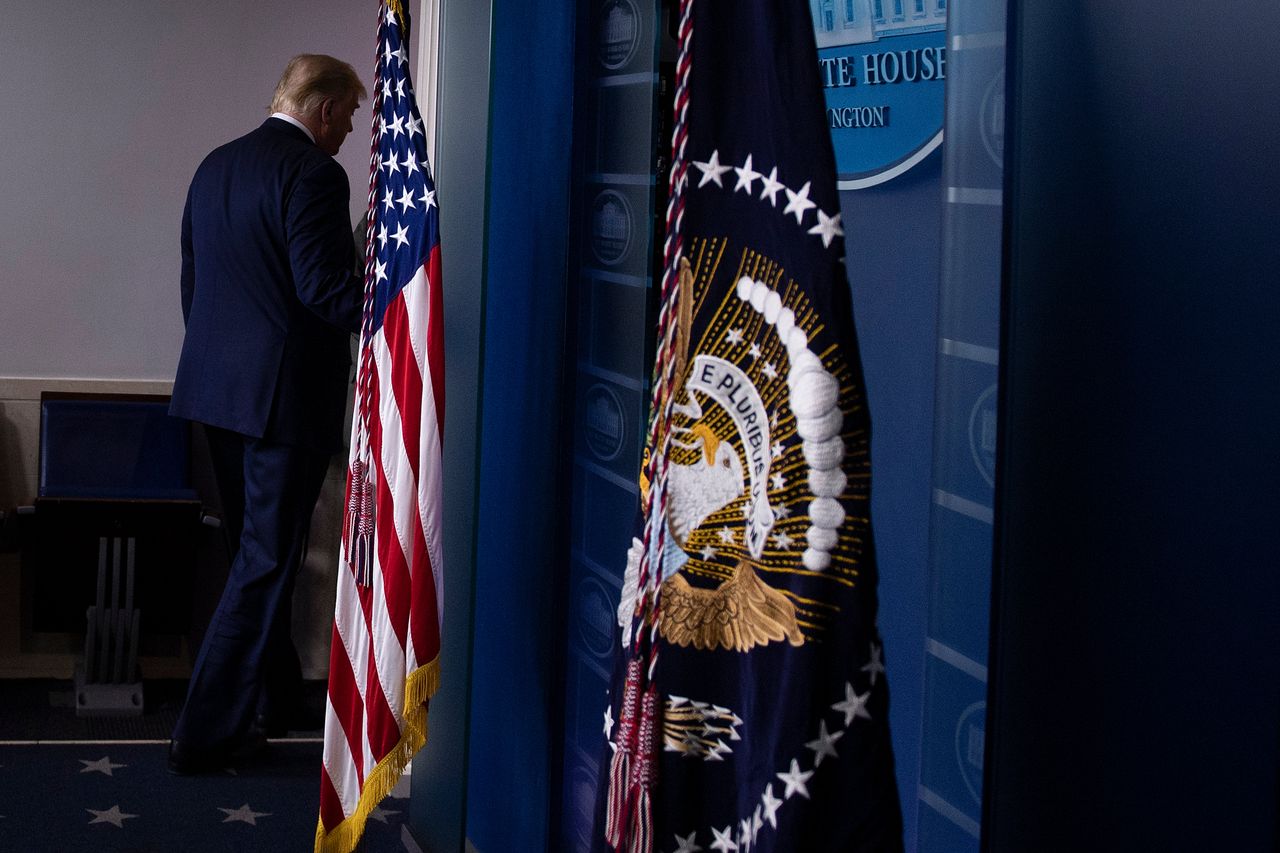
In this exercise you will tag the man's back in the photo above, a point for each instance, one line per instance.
(269, 290)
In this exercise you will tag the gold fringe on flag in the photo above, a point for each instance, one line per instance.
(419, 688)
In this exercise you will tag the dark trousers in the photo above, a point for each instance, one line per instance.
(247, 665)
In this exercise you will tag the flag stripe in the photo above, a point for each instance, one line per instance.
(344, 705)
(381, 721)
(396, 538)
(332, 808)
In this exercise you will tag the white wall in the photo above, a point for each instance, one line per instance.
(106, 109)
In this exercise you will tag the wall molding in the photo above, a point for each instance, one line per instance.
(29, 388)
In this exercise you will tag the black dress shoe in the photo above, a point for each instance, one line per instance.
(187, 761)
(264, 726)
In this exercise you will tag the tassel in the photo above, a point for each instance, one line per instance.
(619, 766)
(644, 773)
(357, 527)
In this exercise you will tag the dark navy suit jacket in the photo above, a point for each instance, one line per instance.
(270, 291)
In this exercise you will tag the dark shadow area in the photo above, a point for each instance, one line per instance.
(44, 710)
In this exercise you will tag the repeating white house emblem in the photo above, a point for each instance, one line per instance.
(605, 423)
(883, 66)
(611, 221)
(982, 434)
(971, 736)
(595, 617)
(992, 118)
(619, 33)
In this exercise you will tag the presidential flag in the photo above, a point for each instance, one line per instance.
(749, 709)
(385, 653)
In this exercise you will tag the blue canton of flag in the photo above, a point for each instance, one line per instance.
(749, 708)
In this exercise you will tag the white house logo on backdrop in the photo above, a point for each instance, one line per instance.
(982, 434)
(883, 65)
(610, 227)
(971, 738)
(619, 33)
(993, 119)
(595, 617)
(605, 427)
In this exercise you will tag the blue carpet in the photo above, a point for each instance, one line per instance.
(70, 797)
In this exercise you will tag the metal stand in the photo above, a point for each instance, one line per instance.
(108, 682)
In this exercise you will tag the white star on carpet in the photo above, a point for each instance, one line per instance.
(733, 337)
(102, 765)
(689, 844)
(380, 814)
(779, 481)
(853, 704)
(781, 511)
(754, 351)
(709, 553)
(778, 450)
(244, 814)
(825, 744)
(799, 203)
(795, 781)
(113, 816)
(769, 370)
(726, 535)
(711, 169)
(828, 228)
(746, 176)
(782, 540)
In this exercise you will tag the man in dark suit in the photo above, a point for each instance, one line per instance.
(270, 296)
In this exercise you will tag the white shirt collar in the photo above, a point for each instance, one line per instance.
(293, 121)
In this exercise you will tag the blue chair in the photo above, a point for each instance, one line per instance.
(115, 469)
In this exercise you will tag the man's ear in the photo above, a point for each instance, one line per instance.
(326, 110)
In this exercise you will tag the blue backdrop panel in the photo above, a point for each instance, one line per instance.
(965, 432)
(517, 600)
(892, 239)
(607, 360)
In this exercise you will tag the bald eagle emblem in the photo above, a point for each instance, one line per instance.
(720, 456)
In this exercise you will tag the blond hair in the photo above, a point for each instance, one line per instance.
(309, 79)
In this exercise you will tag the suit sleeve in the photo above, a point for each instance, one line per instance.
(188, 283)
(321, 252)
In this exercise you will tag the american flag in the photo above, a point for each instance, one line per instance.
(384, 659)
